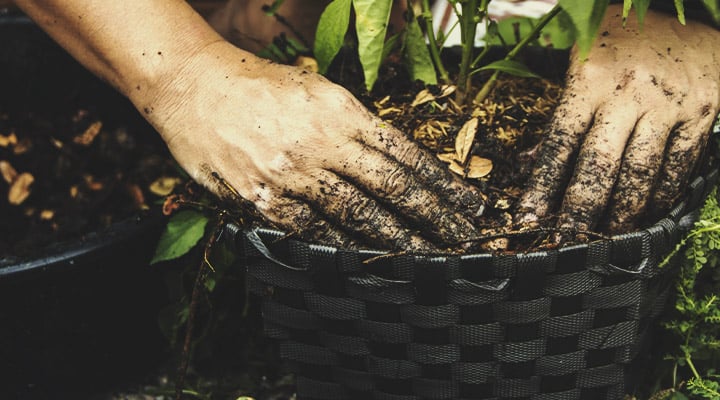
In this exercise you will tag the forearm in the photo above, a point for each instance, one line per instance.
(135, 45)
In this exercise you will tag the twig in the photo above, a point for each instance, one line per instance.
(185, 357)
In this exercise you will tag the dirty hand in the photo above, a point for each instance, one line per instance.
(308, 155)
(634, 119)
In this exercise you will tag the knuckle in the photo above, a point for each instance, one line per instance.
(360, 210)
(396, 185)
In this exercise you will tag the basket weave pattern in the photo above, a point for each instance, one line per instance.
(561, 324)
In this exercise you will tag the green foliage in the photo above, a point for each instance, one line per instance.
(558, 33)
(586, 20)
(331, 30)
(511, 67)
(713, 7)
(182, 233)
(698, 308)
(641, 7)
(680, 7)
(371, 23)
(416, 54)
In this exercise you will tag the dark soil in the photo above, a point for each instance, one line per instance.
(89, 171)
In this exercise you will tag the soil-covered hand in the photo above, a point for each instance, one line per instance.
(634, 119)
(307, 153)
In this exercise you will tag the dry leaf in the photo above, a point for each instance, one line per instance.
(171, 204)
(456, 168)
(465, 139)
(425, 96)
(446, 90)
(307, 63)
(446, 157)
(20, 188)
(8, 172)
(479, 167)
(9, 140)
(87, 137)
(164, 185)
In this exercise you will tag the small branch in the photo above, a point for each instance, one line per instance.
(490, 84)
(433, 45)
(185, 358)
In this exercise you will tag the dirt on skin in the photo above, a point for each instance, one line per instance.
(511, 124)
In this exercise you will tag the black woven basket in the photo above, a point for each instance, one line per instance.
(562, 324)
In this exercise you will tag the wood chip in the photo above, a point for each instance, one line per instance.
(8, 172)
(87, 137)
(465, 139)
(20, 188)
(9, 140)
(164, 185)
(47, 215)
(22, 147)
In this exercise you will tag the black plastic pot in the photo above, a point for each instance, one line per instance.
(80, 316)
(562, 324)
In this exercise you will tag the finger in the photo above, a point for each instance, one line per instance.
(641, 163)
(686, 144)
(397, 187)
(296, 217)
(428, 169)
(597, 167)
(555, 158)
(355, 212)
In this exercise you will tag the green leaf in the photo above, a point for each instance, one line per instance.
(416, 55)
(511, 67)
(586, 16)
(558, 33)
(680, 7)
(331, 30)
(627, 5)
(713, 7)
(641, 7)
(371, 22)
(181, 234)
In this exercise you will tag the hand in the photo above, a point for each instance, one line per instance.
(308, 155)
(634, 119)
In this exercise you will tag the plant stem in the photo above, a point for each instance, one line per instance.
(471, 15)
(490, 84)
(433, 45)
(185, 357)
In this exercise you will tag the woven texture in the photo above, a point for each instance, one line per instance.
(562, 324)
